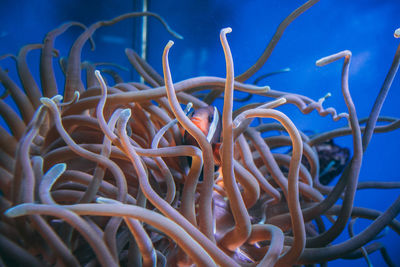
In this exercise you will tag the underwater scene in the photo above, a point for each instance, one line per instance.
(199, 133)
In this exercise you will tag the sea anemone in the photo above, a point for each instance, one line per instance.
(104, 176)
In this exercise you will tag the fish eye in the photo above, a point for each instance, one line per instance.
(210, 118)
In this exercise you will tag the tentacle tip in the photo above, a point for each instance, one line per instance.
(281, 101)
(188, 108)
(60, 168)
(38, 158)
(322, 99)
(169, 44)
(99, 77)
(347, 52)
(226, 30)
(103, 85)
(266, 88)
(178, 36)
(45, 101)
(125, 114)
(57, 98)
(14, 212)
(329, 59)
(397, 33)
(319, 62)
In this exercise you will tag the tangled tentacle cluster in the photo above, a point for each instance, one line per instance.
(104, 178)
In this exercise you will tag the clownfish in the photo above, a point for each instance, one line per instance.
(208, 120)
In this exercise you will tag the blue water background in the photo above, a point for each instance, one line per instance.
(364, 27)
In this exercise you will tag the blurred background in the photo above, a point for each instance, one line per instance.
(364, 27)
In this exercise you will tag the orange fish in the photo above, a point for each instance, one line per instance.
(208, 120)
